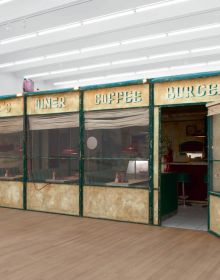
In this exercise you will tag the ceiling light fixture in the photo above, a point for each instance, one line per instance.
(108, 17)
(65, 83)
(169, 54)
(144, 39)
(18, 38)
(100, 47)
(194, 29)
(2, 2)
(206, 49)
(119, 14)
(5, 65)
(64, 71)
(91, 79)
(37, 75)
(143, 58)
(95, 66)
(142, 74)
(188, 66)
(59, 28)
(57, 55)
(160, 4)
(26, 61)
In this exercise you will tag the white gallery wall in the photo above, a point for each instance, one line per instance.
(10, 84)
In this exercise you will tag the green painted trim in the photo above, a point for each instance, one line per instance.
(181, 104)
(81, 160)
(24, 151)
(151, 154)
(159, 171)
(54, 91)
(185, 77)
(8, 96)
(214, 194)
(214, 233)
(110, 85)
(209, 144)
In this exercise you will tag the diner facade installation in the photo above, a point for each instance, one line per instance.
(53, 152)
(137, 152)
(11, 152)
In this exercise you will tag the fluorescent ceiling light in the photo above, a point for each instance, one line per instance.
(160, 4)
(95, 66)
(18, 38)
(215, 62)
(143, 58)
(142, 74)
(64, 71)
(59, 28)
(211, 48)
(37, 75)
(2, 2)
(108, 17)
(194, 29)
(152, 70)
(56, 55)
(188, 66)
(65, 83)
(100, 47)
(121, 75)
(91, 79)
(168, 54)
(5, 65)
(144, 39)
(25, 61)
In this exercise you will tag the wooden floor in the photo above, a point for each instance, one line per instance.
(38, 246)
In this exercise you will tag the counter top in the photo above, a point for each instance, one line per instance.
(189, 163)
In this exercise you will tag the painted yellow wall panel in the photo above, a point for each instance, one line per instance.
(121, 204)
(11, 194)
(215, 214)
(56, 198)
(117, 97)
(187, 91)
(12, 107)
(53, 103)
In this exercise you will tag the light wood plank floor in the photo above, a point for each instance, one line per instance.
(38, 246)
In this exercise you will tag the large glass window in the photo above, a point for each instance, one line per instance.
(116, 147)
(215, 159)
(53, 148)
(11, 136)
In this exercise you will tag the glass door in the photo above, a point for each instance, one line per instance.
(214, 171)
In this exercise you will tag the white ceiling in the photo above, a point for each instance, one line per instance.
(100, 52)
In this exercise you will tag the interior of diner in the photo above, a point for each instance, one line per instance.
(183, 149)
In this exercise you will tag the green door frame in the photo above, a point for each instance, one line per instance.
(210, 192)
(159, 139)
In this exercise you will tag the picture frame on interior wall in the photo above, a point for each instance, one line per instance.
(191, 130)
